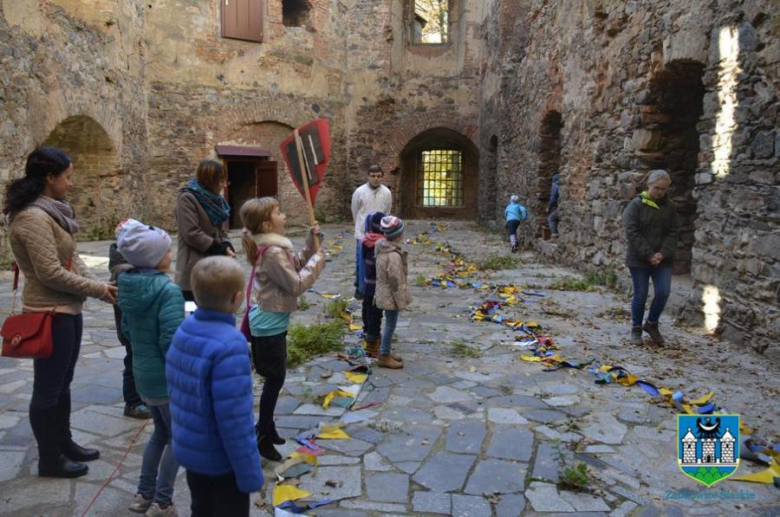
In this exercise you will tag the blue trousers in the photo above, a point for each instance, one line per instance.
(662, 287)
(159, 467)
(391, 320)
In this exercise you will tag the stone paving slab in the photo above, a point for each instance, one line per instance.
(445, 472)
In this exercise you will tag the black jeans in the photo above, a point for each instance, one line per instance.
(216, 496)
(129, 392)
(270, 357)
(372, 318)
(50, 403)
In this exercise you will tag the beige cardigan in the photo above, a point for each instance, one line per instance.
(43, 251)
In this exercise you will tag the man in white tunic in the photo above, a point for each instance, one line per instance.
(367, 198)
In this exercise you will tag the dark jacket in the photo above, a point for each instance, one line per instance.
(152, 309)
(210, 383)
(650, 230)
(372, 234)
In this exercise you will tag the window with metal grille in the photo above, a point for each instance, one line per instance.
(440, 178)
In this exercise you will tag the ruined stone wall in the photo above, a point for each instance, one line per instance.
(207, 90)
(69, 76)
(687, 86)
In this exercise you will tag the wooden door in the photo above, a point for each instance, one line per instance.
(267, 179)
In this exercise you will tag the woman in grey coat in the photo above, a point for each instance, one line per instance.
(651, 231)
(201, 213)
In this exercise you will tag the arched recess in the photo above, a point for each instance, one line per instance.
(96, 177)
(549, 164)
(669, 116)
(269, 134)
(439, 176)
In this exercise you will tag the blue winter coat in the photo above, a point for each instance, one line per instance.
(515, 212)
(152, 309)
(210, 387)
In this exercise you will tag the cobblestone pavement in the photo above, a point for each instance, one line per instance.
(485, 434)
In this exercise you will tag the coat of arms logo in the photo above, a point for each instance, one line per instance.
(708, 446)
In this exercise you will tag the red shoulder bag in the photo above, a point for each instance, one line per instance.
(27, 334)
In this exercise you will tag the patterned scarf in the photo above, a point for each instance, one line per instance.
(60, 211)
(215, 205)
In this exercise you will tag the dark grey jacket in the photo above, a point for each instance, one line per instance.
(198, 238)
(650, 230)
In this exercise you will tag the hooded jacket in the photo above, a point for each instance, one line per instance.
(392, 287)
(152, 309)
(651, 226)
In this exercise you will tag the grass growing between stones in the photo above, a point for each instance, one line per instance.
(303, 303)
(335, 308)
(576, 478)
(497, 263)
(304, 342)
(461, 349)
(420, 281)
(593, 280)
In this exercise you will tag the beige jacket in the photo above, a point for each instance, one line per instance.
(196, 235)
(43, 251)
(282, 275)
(392, 286)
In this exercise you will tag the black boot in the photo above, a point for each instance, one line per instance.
(275, 438)
(655, 335)
(69, 448)
(51, 461)
(267, 450)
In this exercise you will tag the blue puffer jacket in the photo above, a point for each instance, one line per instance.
(210, 386)
(515, 212)
(152, 309)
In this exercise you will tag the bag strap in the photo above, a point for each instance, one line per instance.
(260, 252)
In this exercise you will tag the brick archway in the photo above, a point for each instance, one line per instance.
(411, 185)
(97, 173)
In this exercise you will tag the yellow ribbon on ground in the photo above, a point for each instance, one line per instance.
(766, 476)
(332, 395)
(355, 326)
(284, 493)
(703, 399)
(332, 432)
(358, 378)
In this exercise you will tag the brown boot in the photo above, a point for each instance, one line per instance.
(378, 345)
(372, 348)
(387, 361)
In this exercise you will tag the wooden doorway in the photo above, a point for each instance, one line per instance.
(251, 173)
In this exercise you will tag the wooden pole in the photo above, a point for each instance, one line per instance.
(305, 181)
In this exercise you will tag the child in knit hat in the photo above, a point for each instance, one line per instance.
(392, 288)
(152, 309)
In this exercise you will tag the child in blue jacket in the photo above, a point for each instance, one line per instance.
(210, 387)
(152, 308)
(515, 213)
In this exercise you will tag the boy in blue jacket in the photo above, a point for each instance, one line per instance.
(210, 387)
(152, 308)
(515, 213)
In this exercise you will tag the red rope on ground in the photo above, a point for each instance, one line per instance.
(110, 477)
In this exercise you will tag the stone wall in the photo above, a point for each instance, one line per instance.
(69, 76)
(690, 87)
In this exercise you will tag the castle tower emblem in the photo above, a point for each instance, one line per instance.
(708, 446)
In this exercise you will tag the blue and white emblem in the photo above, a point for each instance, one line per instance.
(708, 446)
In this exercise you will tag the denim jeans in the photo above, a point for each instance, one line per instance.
(391, 320)
(662, 287)
(159, 467)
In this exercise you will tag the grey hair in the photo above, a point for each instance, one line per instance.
(657, 175)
